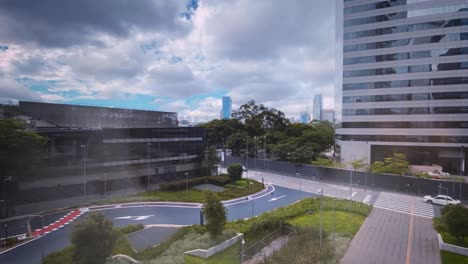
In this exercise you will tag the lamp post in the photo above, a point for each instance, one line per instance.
(462, 169)
(321, 207)
(148, 145)
(105, 184)
(6, 233)
(300, 185)
(242, 251)
(252, 196)
(247, 158)
(84, 168)
(446, 192)
(186, 181)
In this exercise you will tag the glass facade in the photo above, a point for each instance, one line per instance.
(227, 108)
(399, 59)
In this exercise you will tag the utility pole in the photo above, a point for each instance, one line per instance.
(186, 181)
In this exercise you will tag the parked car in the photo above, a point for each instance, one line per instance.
(440, 200)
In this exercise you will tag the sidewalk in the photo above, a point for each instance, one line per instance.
(383, 238)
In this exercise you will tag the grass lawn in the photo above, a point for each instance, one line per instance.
(452, 258)
(230, 255)
(449, 239)
(234, 189)
(343, 224)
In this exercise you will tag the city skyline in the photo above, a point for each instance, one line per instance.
(182, 61)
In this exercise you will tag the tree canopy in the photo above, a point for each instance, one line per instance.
(93, 239)
(396, 164)
(256, 129)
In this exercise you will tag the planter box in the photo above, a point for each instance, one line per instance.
(206, 253)
(451, 248)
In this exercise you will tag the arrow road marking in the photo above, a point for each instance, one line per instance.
(276, 198)
(134, 218)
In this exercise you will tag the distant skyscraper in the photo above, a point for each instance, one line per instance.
(329, 115)
(305, 118)
(318, 107)
(227, 108)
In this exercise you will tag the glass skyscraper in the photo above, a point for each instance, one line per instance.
(403, 80)
(227, 108)
(318, 107)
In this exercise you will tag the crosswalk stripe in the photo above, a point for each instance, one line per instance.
(402, 204)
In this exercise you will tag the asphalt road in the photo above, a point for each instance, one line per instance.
(31, 252)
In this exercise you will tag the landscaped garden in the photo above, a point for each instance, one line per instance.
(338, 219)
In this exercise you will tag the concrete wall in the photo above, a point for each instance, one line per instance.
(396, 183)
(206, 253)
(352, 150)
(452, 248)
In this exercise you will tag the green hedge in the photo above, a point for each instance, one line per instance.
(182, 184)
(269, 221)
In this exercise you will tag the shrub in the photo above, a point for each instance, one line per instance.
(456, 219)
(235, 171)
(130, 229)
(93, 239)
(182, 184)
(60, 257)
(215, 214)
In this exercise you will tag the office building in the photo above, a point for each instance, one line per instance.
(328, 115)
(227, 108)
(80, 149)
(305, 118)
(403, 81)
(318, 107)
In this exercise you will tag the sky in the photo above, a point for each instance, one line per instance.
(169, 55)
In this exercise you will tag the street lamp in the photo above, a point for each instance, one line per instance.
(84, 168)
(148, 145)
(186, 181)
(300, 185)
(242, 249)
(252, 196)
(321, 207)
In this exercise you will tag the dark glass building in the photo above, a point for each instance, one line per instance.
(403, 81)
(88, 152)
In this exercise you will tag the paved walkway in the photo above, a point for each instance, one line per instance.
(383, 238)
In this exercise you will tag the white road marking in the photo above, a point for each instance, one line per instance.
(352, 195)
(276, 198)
(367, 199)
(134, 218)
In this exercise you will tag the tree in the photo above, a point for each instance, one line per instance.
(259, 119)
(218, 131)
(19, 150)
(456, 219)
(358, 164)
(215, 214)
(396, 164)
(235, 171)
(93, 239)
(211, 157)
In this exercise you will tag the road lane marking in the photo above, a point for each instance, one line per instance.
(276, 198)
(352, 195)
(410, 235)
(367, 199)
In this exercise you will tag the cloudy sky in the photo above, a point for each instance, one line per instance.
(168, 55)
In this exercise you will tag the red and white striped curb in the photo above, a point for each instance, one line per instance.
(65, 220)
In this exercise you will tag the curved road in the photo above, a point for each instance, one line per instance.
(148, 214)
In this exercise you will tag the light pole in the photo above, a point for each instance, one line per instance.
(247, 158)
(462, 169)
(148, 145)
(186, 181)
(105, 184)
(242, 251)
(84, 168)
(6, 234)
(446, 192)
(252, 196)
(300, 185)
(321, 207)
